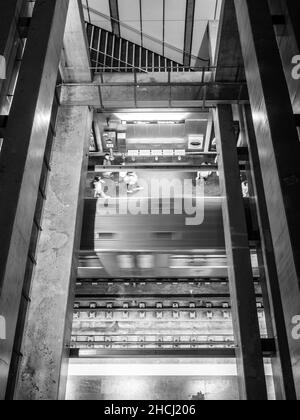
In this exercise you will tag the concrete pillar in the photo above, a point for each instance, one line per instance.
(245, 321)
(22, 157)
(48, 328)
(282, 368)
(43, 371)
(279, 150)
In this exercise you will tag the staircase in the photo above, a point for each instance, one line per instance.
(110, 53)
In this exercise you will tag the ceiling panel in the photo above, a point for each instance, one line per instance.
(129, 14)
(175, 28)
(155, 30)
(98, 13)
(152, 22)
(205, 9)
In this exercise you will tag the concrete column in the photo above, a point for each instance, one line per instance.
(48, 328)
(245, 321)
(22, 157)
(279, 150)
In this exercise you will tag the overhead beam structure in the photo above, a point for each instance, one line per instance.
(245, 321)
(189, 30)
(115, 20)
(279, 150)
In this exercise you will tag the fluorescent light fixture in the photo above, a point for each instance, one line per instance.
(152, 116)
(90, 368)
(138, 369)
(157, 140)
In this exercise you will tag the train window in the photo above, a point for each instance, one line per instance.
(142, 305)
(93, 305)
(146, 261)
(175, 305)
(159, 305)
(126, 262)
(159, 315)
(76, 305)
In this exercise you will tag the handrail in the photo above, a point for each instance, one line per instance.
(140, 33)
(207, 68)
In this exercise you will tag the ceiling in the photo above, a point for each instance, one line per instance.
(167, 27)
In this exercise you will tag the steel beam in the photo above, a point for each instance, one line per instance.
(114, 14)
(282, 368)
(229, 55)
(245, 321)
(293, 8)
(279, 150)
(189, 31)
(9, 43)
(152, 94)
